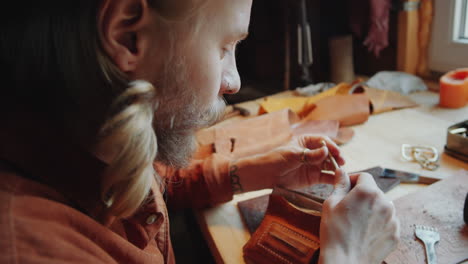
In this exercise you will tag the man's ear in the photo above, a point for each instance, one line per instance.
(120, 23)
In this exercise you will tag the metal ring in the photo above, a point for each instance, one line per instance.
(324, 144)
(303, 156)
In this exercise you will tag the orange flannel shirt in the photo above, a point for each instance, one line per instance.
(51, 211)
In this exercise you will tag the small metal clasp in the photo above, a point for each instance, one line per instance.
(426, 156)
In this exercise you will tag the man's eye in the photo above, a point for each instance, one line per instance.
(224, 52)
(229, 49)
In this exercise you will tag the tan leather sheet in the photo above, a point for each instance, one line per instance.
(383, 100)
(347, 109)
(336, 104)
(263, 133)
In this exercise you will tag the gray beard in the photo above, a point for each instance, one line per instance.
(179, 115)
(176, 135)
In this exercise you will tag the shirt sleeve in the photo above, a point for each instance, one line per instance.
(203, 183)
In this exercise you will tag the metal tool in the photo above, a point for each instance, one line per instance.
(407, 177)
(429, 236)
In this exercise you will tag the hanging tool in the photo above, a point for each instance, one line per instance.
(304, 44)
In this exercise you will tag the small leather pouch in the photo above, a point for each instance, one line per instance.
(289, 233)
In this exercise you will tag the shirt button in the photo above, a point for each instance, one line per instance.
(151, 219)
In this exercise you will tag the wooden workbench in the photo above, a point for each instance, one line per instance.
(376, 143)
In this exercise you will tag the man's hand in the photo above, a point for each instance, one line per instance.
(303, 159)
(358, 226)
(296, 164)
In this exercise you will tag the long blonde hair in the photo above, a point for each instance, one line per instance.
(129, 128)
(129, 136)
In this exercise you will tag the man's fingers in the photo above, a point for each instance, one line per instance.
(365, 179)
(353, 178)
(332, 147)
(366, 189)
(313, 142)
(342, 186)
(315, 156)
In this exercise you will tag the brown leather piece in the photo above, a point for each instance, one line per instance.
(286, 235)
(350, 109)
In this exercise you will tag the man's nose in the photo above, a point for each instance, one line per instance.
(231, 83)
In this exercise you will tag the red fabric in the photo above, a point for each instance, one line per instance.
(371, 17)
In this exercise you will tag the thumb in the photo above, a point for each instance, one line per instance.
(342, 185)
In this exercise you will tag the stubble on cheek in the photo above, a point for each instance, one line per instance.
(181, 112)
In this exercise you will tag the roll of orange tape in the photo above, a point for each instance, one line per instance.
(454, 88)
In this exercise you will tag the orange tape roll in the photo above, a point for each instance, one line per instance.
(454, 88)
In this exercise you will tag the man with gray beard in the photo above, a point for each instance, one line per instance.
(95, 91)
